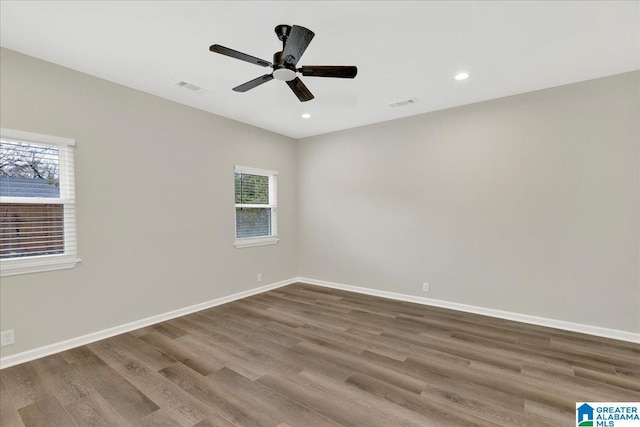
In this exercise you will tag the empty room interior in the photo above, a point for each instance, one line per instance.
(319, 213)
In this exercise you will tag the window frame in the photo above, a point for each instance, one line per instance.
(69, 258)
(245, 242)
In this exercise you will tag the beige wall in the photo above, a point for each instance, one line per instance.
(528, 204)
(155, 201)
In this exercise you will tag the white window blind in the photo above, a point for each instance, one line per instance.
(256, 206)
(37, 203)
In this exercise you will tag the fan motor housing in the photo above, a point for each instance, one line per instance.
(282, 70)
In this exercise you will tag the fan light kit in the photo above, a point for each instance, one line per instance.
(462, 76)
(306, 116)
(295, 40)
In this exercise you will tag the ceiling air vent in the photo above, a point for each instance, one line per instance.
(189, 86)
(404, 103)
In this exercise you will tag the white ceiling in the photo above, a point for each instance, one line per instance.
(402, 50)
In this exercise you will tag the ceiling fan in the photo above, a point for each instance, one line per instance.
(295, 40)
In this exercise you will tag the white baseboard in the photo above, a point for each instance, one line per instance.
(50, 349)
(541, 321)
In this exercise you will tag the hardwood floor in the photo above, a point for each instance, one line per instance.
(303, 355)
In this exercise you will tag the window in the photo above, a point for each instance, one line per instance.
(256, 207)
(37, 203)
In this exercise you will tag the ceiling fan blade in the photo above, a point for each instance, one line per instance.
(296, 43)
(344, 72)
(253, 83)
(300, 90)
(239, 55)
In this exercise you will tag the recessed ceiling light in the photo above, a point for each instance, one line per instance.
(306, 116)
(462, 76)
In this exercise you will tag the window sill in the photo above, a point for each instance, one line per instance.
(12, 267)
(256, 241)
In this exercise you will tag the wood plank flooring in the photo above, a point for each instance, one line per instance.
(303, 355)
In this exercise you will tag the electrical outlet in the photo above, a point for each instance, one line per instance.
(7, 338)
(425, 287)
(259, 277)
